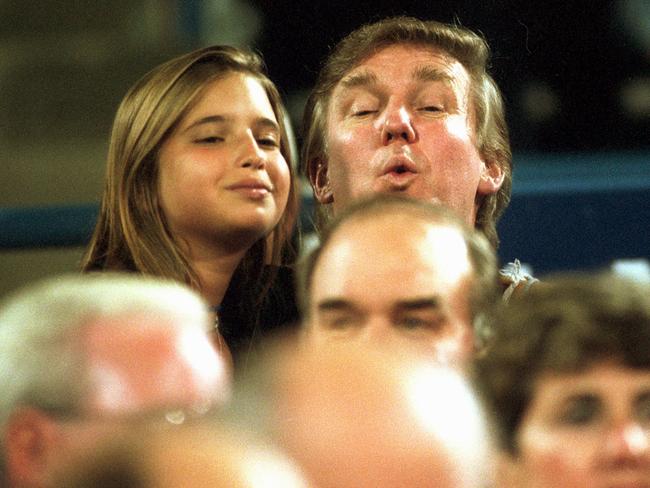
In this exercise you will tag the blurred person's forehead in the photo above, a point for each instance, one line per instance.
(397, 234)
(358, 415)
(139, 362)
(392, 257)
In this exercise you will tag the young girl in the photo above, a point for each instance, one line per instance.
(199, 189)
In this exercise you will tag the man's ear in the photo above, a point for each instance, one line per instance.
(320, 182)
(30, 439)
(492, 176)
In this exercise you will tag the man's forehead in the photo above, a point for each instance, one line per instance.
(130, 327)
(397, 223)
(430, 62)
(400, 239)
(139, 365)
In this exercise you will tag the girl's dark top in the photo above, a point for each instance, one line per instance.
(243, 325)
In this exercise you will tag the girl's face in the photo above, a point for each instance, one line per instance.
(588, 429)
(222, 177)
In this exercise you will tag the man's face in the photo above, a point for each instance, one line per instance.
(396, 281)
(140, 373)
(401, 121)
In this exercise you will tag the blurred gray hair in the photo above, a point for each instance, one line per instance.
(41, 360)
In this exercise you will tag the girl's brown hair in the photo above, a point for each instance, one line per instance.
(132, 232)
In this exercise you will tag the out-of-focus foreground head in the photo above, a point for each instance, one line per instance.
(566, 377)
(400, 270)
(423, 93)
(204, 455)
(357, 415)
(83, 357)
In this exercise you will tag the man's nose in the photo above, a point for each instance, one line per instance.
(398, 126)
(378, 330)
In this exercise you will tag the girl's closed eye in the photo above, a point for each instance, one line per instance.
(208, 139)
(268, 141)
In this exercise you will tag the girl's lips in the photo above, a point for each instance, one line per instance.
(251, 184)
(251, 188)
(255, 193)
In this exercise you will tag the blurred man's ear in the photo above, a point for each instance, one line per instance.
(320, 182)
(30, 439)
(492, 176)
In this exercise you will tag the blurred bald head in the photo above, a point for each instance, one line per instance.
(205, 455)
(358, 416)
(399, 270)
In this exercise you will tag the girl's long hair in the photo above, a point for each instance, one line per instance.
(131, 232)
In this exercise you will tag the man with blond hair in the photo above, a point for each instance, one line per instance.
(407, 106)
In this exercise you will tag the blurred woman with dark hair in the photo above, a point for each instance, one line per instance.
(567, 379)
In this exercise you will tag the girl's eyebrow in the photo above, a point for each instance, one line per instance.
(266, 123)
(206, 120)
(261, 122)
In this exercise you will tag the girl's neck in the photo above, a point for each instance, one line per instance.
(214, 266)
(215, 274)
(215, 260)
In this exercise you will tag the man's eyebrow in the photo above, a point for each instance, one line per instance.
(419, 304)
(421, 73)
(362, 78)
(334, 304)
(430, 73)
